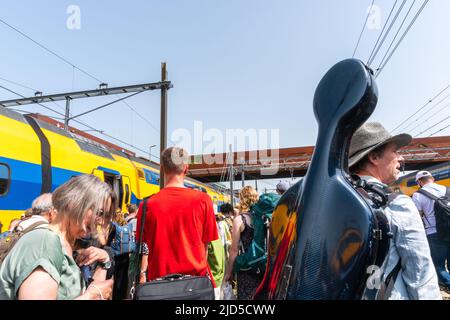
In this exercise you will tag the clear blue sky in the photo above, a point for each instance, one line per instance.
(233, 63)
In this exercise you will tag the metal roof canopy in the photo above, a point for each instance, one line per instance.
(294, 162)
(87, 94)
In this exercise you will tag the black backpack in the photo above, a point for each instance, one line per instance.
(441, 212)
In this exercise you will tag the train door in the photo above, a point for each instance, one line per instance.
(115, 180)
(127, 190)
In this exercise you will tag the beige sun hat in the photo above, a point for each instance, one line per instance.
(370, 136)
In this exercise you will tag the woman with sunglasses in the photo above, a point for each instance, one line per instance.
(41, 264)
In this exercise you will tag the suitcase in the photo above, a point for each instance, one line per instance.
(176, 287)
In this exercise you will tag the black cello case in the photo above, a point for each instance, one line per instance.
(327, 235)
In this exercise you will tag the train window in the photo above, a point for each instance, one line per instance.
(203, 189)
(5, 179)
(127, 194)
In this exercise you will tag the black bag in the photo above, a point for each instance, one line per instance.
(169, 287)
(442, 213)
(176, 287)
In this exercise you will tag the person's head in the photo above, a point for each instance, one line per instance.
(174, 162)
(27, 214)
(13, 224)
(282, 187)
(423, 178)
(374, 152)
(247, 197)
(43, 206)
(81, 203)
(132, 208)
(226, 209)
(119, 217)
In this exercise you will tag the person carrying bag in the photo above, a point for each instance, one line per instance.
(169, 287)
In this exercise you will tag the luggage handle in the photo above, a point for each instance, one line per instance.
(172, 276)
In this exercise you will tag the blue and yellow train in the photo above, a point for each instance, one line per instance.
(37, 156)
(441, 173)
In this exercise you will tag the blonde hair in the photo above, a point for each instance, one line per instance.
(73, 199)
(247, 197)
(173, 160)
(119, 217)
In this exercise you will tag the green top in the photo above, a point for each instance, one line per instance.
(216, 260)
(40, 248)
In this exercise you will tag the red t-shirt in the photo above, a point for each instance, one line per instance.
(179, 222)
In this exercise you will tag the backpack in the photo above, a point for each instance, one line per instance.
(124, 241)
(255, 258)
(441, 212)
(379, 198)
(8, 240)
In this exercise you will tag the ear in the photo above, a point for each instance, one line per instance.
(186, 169)
(373, 158)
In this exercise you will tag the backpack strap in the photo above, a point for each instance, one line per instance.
(31, 227)
(25, 231)
(388, 285)
(428, 194)
(139, 244)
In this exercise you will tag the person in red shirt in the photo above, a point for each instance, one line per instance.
(179, 223)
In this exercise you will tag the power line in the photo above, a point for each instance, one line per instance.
(429, 101)
(401, 39)
(140, 116)
(48, 108)
(49, 50)
(432, 126)
(19, 84)
(426, 120)
(69, 63)
(82, 123)
(26, 87)
(375, 48)
(419, 118)
(396, 34)
(363, 28)
(438, 131)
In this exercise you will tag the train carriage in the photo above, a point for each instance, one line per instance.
(37, 156)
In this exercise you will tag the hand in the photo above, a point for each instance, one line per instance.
(100, 290)
(227, 277)
(91, 255)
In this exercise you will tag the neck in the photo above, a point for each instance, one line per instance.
(61, 231)
(372, 172)
(174, 180)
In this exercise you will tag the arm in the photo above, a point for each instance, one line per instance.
(39, 285)
(418, 270)
(91, 255)
(144, 267)
(238, 227)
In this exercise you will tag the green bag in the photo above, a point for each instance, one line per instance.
(255, 258)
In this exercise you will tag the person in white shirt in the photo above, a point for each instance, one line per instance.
(42, 210)
(440, 250)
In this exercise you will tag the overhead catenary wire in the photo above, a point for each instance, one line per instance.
(362, 30)
(102, 132)
(379, 44)
(426, 120)
(423, 115)
(28, 88)
(431, 127)
(420, 108)
(383, 64)
(395, 36)
(67, 62)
